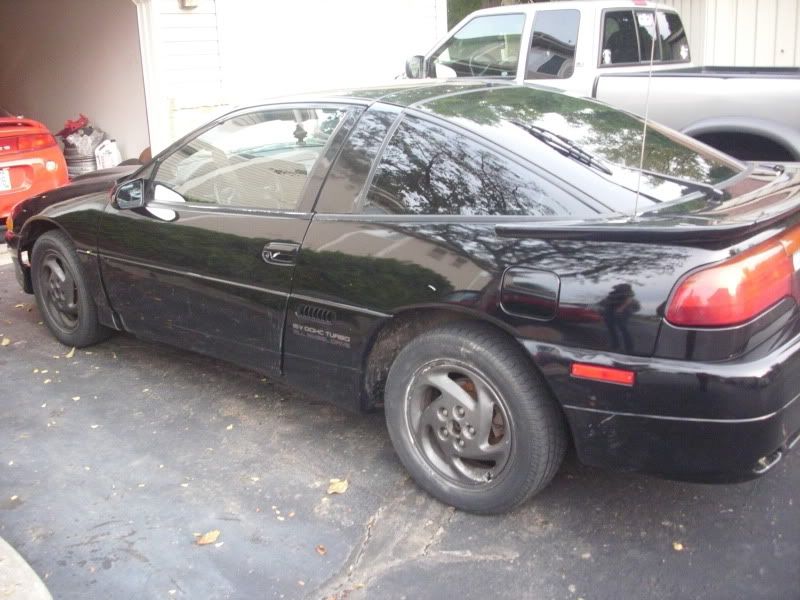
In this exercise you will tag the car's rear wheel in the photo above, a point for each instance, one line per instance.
(472, 420)
(62, 294)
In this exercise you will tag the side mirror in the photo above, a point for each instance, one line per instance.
(415, 67)
(130, 194)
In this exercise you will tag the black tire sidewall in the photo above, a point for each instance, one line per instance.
(88, 330)
(534, 417)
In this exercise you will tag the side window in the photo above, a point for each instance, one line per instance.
(350, 171)
(648, 40)
(257, 160)
(552, 52)
(620, 44)
(674, 44)
(485, 47)
(427, 169)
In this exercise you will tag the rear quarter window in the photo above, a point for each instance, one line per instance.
(428, 169)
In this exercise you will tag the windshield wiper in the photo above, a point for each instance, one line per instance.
(564, 145)
(709, 189)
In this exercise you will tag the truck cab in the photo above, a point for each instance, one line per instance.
(634, 55)
(566, 44)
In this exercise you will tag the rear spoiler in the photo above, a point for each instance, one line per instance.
(639, 232)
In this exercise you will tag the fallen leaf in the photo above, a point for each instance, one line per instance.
(677, 546)
(321, 550)
(208, 538)
(76, 398)
(229, 427)
(6, 341)
(46, 381)
(70, 354)
(337, 486)
(94, 426)
(19, 306)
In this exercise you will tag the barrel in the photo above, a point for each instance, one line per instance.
(78, 164)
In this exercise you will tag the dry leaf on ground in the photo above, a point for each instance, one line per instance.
(6, 341)
(208, 538)
(321, 550)
(677, 546)
(70, 354)
(337, 486)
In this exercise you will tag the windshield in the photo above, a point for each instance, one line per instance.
(610, 135)
(485, 47)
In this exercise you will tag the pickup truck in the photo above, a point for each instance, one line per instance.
(602, 50)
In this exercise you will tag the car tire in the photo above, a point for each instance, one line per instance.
(62, 294)
(471, 418)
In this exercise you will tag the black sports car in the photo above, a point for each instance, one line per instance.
(487, 262)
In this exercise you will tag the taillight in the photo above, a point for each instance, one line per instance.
(35, 141)
(739, 289)
(26, 143)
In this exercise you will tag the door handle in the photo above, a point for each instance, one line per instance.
(280, 253)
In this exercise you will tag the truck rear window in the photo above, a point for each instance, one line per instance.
(630, 35)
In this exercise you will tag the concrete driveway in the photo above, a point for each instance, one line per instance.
(112, 459)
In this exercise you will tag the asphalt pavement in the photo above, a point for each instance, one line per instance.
(115, 459)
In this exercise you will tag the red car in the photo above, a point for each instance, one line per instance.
(31, 161)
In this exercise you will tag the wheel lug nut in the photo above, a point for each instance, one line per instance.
(460, 442)
(443, 412)
(471, 429)
(459, 411)
(443, 431)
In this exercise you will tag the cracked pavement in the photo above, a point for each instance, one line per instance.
(113, 459)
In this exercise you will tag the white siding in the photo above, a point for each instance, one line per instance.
(786, 32)
(742, 32)
(189, 62)
(227, 52)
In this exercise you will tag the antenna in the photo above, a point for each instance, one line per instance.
(646, 112)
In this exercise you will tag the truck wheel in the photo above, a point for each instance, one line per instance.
(63, 297)
(471, 419)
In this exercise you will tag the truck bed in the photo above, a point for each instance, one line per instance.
(719, 72)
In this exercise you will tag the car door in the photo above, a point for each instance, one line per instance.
(207, 262)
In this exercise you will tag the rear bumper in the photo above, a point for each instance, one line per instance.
(712, 422)
(706, 451)
(30, 176)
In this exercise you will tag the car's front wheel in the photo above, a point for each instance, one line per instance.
(471, 419)
(62, 294)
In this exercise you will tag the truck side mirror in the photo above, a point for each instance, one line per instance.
(415, 66)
